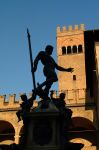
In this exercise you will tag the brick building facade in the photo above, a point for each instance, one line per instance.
(78, 48)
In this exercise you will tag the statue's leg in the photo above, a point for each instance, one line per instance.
(18, 113)
(50, 78)
(48, 82)
(47, 88)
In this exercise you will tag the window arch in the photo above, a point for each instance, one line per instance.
(80, 49)
(63, 50)
(69, 50)
(74, 48)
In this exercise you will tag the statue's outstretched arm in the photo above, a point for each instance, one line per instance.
(64, 69)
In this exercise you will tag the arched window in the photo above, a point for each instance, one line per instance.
(74, 49)
(63, 50)
(80, 49)
(69, 50)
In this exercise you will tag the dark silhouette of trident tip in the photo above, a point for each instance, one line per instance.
(28, 32)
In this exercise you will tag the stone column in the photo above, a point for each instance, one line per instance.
(17, 134)
(16, 137)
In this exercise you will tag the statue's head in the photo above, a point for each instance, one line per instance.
(49, 49)
(62, 96)
(23, 97)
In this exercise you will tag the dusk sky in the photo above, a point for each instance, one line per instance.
(42, 18)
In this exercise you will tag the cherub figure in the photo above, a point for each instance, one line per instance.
(25, 106)
(65, 112)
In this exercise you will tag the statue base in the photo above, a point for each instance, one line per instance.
(42, 128)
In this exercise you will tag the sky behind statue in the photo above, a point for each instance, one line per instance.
(42, 18)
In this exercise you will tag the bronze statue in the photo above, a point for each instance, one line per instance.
(49, 68)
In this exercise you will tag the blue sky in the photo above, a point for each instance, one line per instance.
(42, 18)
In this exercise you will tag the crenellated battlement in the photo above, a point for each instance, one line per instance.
(70, 28)
(11, 101)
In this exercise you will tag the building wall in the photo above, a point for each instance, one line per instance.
(97, 72)
(97, 61)
(74, 84)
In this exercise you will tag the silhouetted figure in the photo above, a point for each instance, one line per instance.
(66, 122)
(25, 106)
(65, 112)
(59, 102)
(21, 114)
(49, 68)
(65, 115)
